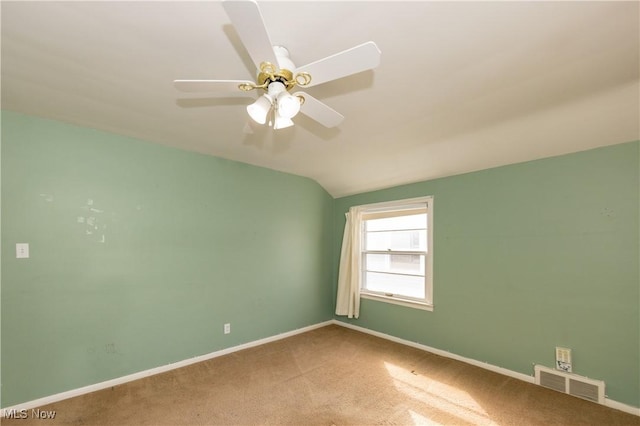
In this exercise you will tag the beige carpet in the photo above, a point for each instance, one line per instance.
(330, 376)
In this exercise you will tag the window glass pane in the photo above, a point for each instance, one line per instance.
(395, 263)
(403, 285)
(395, 251)
(397, 240)
(414, 221)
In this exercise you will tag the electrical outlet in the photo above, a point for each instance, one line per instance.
(227, 328)
(22, 250)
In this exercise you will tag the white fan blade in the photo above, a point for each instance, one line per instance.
(319, 111)
(247, 20)
(210, 85)
(351, 61)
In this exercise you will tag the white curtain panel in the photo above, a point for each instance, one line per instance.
(348, 298)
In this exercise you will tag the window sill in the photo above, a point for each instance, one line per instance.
(397, 301)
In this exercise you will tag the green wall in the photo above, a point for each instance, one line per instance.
(526, 258)
(140, 253)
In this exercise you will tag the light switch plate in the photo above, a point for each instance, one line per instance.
(22, 250)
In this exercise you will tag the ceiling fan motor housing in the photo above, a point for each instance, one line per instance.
(280, 72)
(283, 76)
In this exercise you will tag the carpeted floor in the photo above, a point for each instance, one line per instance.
(329, 376)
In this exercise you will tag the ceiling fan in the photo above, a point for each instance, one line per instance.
(278, 76)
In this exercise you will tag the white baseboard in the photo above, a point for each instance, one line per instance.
(146, 373)
(520, 376)
(622, 407)
(440, 352)
(157, 370)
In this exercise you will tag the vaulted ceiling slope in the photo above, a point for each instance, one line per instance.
(462, 86)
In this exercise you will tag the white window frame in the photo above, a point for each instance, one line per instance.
(396, 207)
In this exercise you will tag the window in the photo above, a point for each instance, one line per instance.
(396, 252)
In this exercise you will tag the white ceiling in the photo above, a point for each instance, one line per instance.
(462, 86)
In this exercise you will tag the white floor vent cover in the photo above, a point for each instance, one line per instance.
(572, 384)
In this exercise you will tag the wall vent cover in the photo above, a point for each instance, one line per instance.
(572, 384)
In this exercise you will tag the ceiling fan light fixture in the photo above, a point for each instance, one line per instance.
(287, 105)
(259, 110)
(281, 122)
(275, 88)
